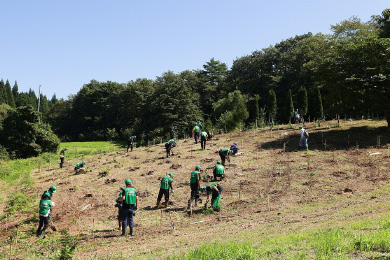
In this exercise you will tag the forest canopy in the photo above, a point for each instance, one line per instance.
(346, 73)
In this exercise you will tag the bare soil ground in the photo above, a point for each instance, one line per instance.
(271, 189)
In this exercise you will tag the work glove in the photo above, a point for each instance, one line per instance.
(172, 191)
(136, 207)
(117, 201)
(53, 203)
(229, 161)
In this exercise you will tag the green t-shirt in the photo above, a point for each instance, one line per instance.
(166, 182)
(44, 207)
(204, 134)
(209, 190)
(62, 152)
(197, 129)
(194, 177)
(130, 195)
(225, 151)
(219, 169)
(79, 165)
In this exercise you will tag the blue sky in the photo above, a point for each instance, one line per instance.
(62, 45)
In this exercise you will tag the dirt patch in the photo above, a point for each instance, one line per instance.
(175, 166)
(149, 173)
(102, 174)
(347, 190)
(207, 160)
(144, 194)
(108, 181)
(238, 203)
(133, 169)
(340, 174)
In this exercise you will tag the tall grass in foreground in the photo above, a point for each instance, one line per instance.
(334, 243)
(216, 250)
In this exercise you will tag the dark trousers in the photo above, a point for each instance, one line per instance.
(218, 175)
(127, 214)
(196, 136)
(168, 150)
(129, 145)
(194, 191)
(203, 142)
(223, 157)
(62, 161)
(43, 222)
(165, 193)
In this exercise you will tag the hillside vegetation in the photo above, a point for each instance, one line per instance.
(278, 203)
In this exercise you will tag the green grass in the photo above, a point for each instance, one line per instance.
(80, 149)
(366, 238)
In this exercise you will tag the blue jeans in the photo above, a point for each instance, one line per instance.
(303, 141)
(127, 214)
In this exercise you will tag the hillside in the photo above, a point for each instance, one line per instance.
(271, 191)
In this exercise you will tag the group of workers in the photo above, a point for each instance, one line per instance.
(127, 201)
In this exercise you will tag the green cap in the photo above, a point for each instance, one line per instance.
(300, 127)
(197, 167)
(53, 188)
(202, 188)
(218, 162)
(66, 149)
(84, 162)
(127, 181)
(170, 174)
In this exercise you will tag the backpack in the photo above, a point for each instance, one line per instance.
(306, 134)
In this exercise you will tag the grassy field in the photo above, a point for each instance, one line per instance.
(278, 203)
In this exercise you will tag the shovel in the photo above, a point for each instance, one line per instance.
(172, 225)
(51, 224)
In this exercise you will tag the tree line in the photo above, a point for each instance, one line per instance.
(346, 73)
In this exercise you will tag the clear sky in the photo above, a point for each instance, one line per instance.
(62, 45)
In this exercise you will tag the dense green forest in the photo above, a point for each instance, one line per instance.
(344, 74)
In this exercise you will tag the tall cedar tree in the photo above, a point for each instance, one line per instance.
(289, 109)
(302, 101)
(9, 95)
(256, 113)
(271, 106)
(3, 96)
(318, 109)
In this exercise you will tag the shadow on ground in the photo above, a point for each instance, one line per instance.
(334, 139)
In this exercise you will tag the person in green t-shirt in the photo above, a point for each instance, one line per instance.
(130, 205)
(44, 215)
(215, 190)
(79, 168)
(219, 171)
(169, 145)
(49, 193)
(62, 156)
(196, 130)
(166, 183)
(210, 134)
(119, 205)
(195, 185)
(130, 142)
(224, 154)
(203, 138)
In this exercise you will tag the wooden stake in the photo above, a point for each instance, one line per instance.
(79, 224)
(161, 217)
(17, 232)
(93, 229)
(269, 209)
